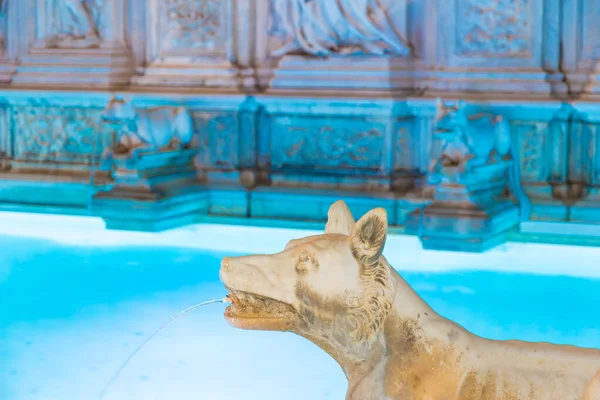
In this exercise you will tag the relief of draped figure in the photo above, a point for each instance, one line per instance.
(73, 24)
(326, 27)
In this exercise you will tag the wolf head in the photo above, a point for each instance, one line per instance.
(118, 111)
(335, 286)
(450, 118)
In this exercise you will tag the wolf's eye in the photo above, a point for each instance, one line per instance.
(305, 262)
(304, 257)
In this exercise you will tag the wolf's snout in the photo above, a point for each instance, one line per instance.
(226, 267)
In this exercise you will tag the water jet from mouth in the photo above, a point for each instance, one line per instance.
(173, 318)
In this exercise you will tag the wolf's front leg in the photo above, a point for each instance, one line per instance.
(593, 390)
(466, 162)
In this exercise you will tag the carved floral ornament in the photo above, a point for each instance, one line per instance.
(70, 135)
(193, 24)
(353, 143)
(326, 27)
(494, 27)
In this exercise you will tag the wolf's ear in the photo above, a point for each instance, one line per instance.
(110, 103)
(114, 100)
(368, 236)
(339, 219)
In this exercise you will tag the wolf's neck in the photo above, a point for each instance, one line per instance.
(403, 324)
(409, 318)
(407, 303)
(407, 306)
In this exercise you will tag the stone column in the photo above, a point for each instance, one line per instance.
(9, 20)
(581, 46)
(584, 162)
(5, 139)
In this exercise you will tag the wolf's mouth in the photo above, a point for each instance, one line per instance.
(252, 311)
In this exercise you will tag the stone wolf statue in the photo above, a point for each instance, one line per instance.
(471, 144)
(470, 141)
(338, 291)
(152, 129)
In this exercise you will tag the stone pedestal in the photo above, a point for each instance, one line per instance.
(363, 74)
(588, 209)
(470, 214)
(152, 192)
(7, 70)
(100, 68)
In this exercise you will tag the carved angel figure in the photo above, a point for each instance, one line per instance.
(324, 27)
(73, 25)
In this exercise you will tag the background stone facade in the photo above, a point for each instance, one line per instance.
(297, 103)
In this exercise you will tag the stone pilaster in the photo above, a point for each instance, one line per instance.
(581, 46)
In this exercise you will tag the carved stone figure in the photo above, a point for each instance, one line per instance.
(73, 25)
(473, 179)
(473, 146)
(152, 166)
(469, 142)
(338, 291)
(325, 27)
(150, 130)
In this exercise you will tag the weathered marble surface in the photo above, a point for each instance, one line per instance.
(294, 103)
(497, 46)
(338, 291)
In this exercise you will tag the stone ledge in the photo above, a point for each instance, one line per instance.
(244, 162)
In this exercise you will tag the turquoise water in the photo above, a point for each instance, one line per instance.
(72, 313)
